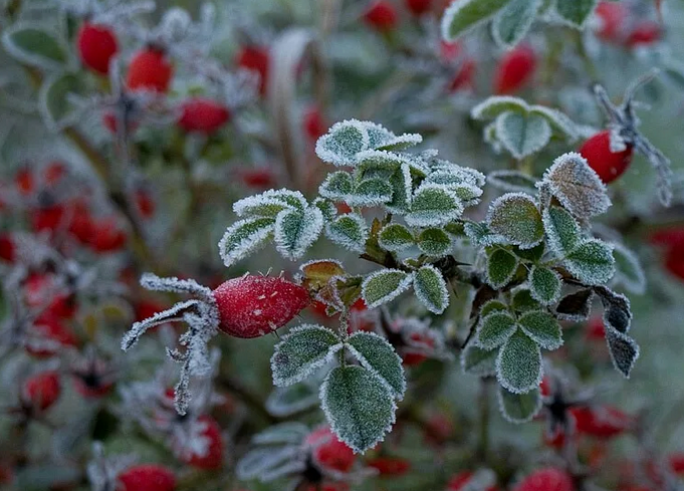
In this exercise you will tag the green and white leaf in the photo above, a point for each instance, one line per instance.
(575, 12)
(245, 237)
(478, 361)
(523, 301)
(433, 205)
(395, 237)
(512, 181)
(35, 47)
(349, 231)
(543, 328)
(496, 105)
(282, 434)
(515, 217)
(297, 230)
(343, 142)
(464, 15)
(493, 306)
(562, 230)
(519, 408)
(337, 186)
(494, 330)
(513, 22)
(431, 289)
(481, 235)
(384, 286)
(591, 262)
(561, 124)
(522, 135)
(359, 408)
(369, 193)
(434, 242)
(501, 267)
(269, 203)
(303, 350)
(628, 270)
(519, 364)
(55, 105)
(378, 356)
(545, 285)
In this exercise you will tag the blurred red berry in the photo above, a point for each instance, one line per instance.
(676, 461)
(381, 15)
(612, 16)
(601, 422)
(213, 459)
(464, 77)
(48, 335)
(252, 306)
(608, 165)
(459, 481)
(106, 236)
(256, 59)
(674, 263)
(314, 125)
(390, 466)
(96, 46)
(548, 479)
(420, 341)
(419, 7)
(257, 178)
(202, 115)
(670, 237)
(41, 292)
(644, 33)
(54, 172)
(8, 249)
(25, 181)
(42, 390)
(148, 477)
(595, 330)
(144, 203)
(515, 70)
(149, 70)
(329, 451)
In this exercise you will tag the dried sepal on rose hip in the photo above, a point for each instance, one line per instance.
(610, 153)
(246, 307)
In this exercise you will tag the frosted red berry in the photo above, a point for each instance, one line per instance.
(8, 249)
(25, 181)
(612, 17)
(150, 70)
(106, 236)
(549, 479)
(252, 306)
(381, 15)
(515, 70)
(390, 466)
(203, 115)
(314, 124)
(213, 458)
(419, 7)
(608, 165)
(148, 477)
(674, 263)
(96, 45)
(41, 391)
(643, 34)
(256, 59)
(329, 452)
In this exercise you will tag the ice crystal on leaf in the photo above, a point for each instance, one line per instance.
(501, 267)
(515, 217)
(349, 231)
(519, 364)
(545, 285)
(377, 355)
(432, 205)
(431, 289)
(384, 286)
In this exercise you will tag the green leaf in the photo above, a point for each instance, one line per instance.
(433, 205)
(495, 105)
(578, 188)
(591, 262)
(543, 328)
(301, 351)
(545, 285)
(401, 184)
(512, 180)
(519, 408)
(283, 433)
(465, 15)
(296, 231)
(287, 401)
(478, 361)
(495, 329)
(269, 204)
(431, 289)
(629, 272)
(371, 192)
(519, 364)
(501, 267)
(561, 125)
(515, 217)
(434, 242)
(34, 46)
(512, 23)
(523, 301)
(336, 186)
(342, 142)
(54, 95)
(522, 135)
(395, 237)
(349, 231)
(384, 285)
(532, 255)
(562, 230)
(378, 356)
(575, 12)
(493, 306)
(359, 408)
(244, 237)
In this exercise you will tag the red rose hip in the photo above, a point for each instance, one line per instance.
(97, 46)
(149, 70)
(607, 164)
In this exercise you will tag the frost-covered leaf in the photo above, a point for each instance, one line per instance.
(296, 231)
(359, 408)
(575, 12)
(327, 207)
(591, 262)
(532, 255)
(493, 106)
(519, 408)
(342, 142)
(269, 203)
(478, 361)
(562, 230)
(301, 351)
(265, 460)
(501, 267)
(434, 242)
(381, 138)
(513, 181)
(464, 15)
(493, 306)
(578, 188)
(384, 285)
(283, 433)
(519, 364)
(523, 301)
(431, 289)
(481, 235)
(349, 231)
(515, 217)
(244, 237)
(495, 329)
(337, 186)
(370, 192)
(545, 285)
(512, 22)
(561, 125)
(543, 328)
(522, 135)
(378, 356)
(286, 401)
(433, 205)
(628, 271)
(575, 306)
(617, 311)
(395, 237)
(401, 184)
(34, 47)
(624, 351)
(55, 104)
